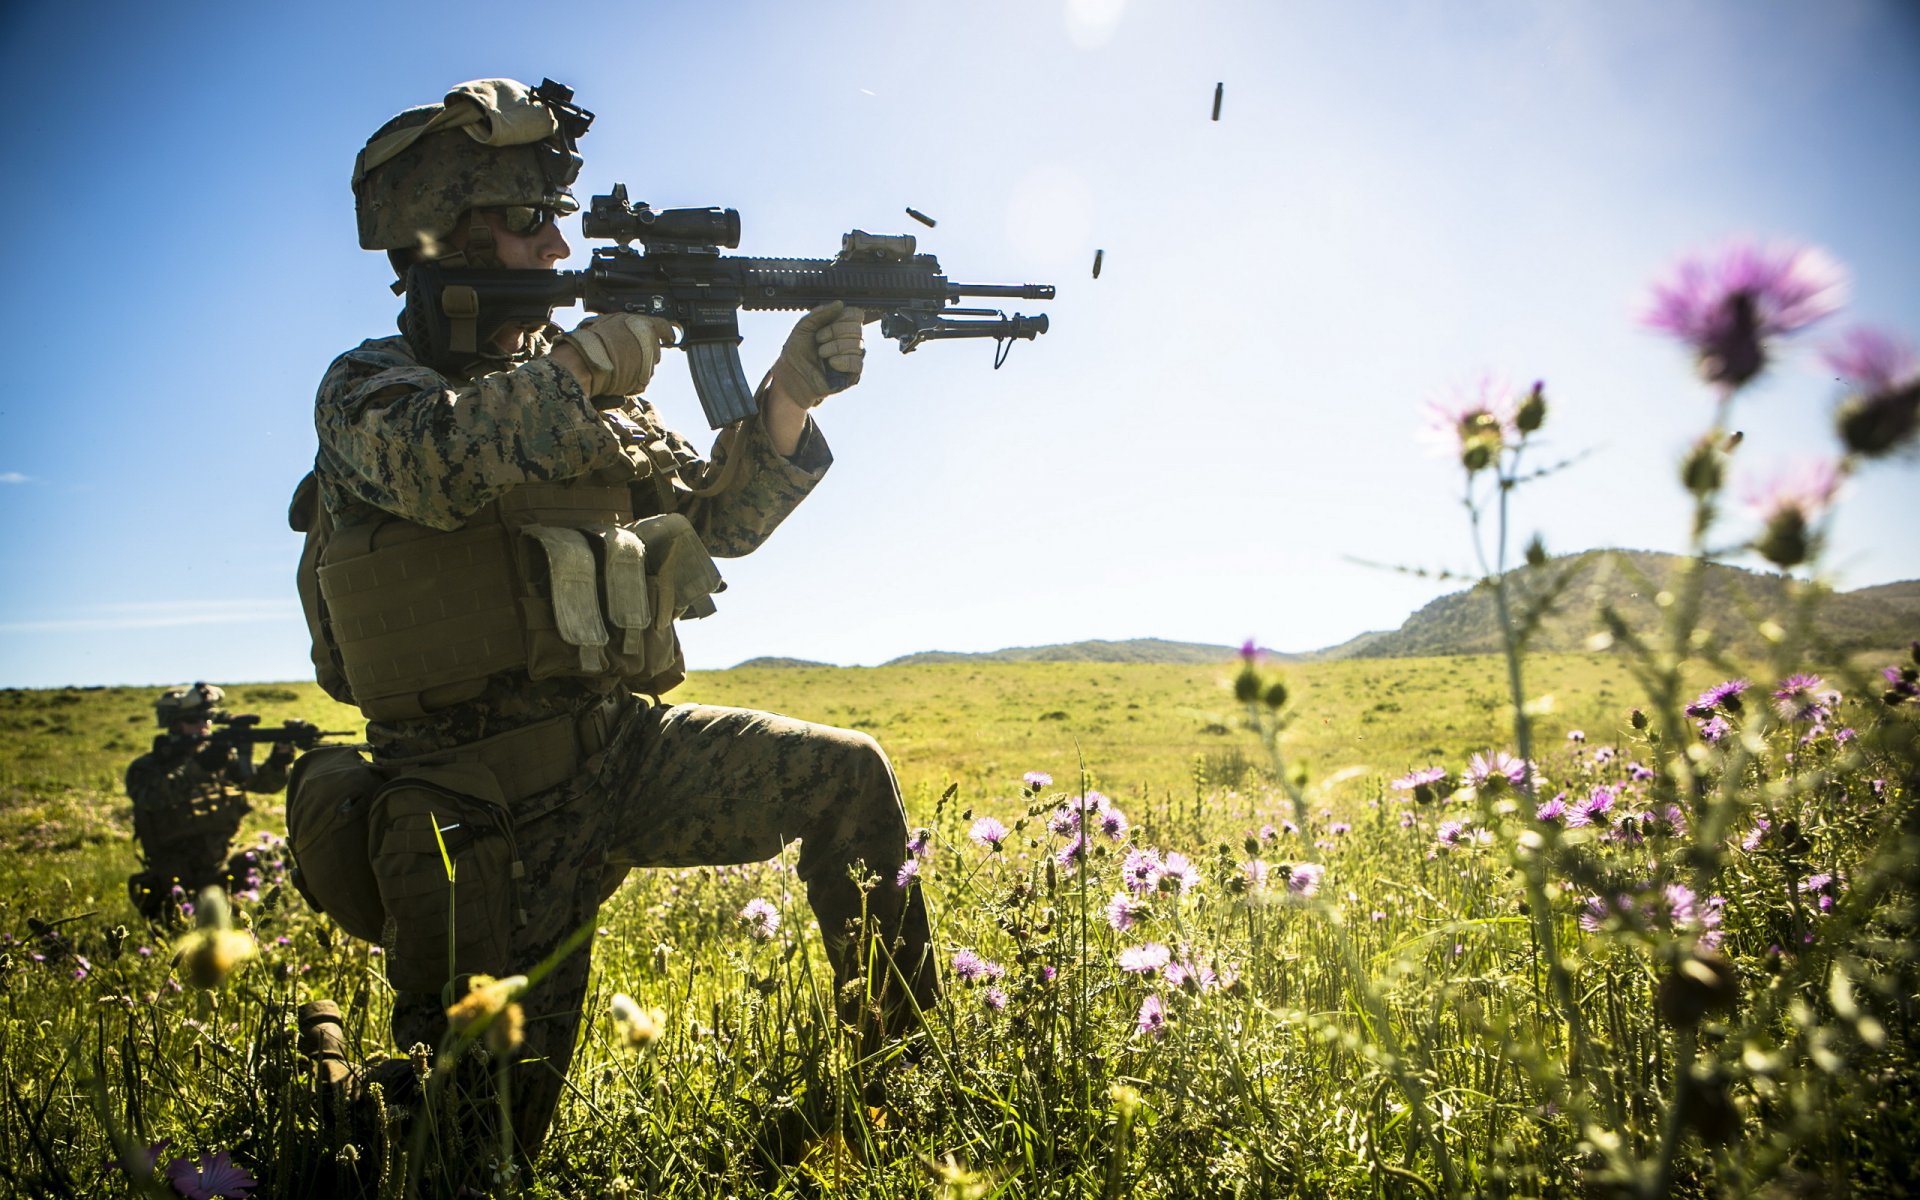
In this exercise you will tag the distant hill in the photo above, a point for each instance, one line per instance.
(774, 661)
(1884, 616)
(1137, 650)
(1465, 622)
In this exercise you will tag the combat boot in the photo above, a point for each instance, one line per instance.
(323, 1041)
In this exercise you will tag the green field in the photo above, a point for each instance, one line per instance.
(1393, 1027)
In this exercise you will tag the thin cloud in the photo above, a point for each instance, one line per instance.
(14, 477)
(165, 614)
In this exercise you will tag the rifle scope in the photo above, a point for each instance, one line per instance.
(612, 217)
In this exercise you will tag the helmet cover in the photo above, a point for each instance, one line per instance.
(195, 702)
(490, 143)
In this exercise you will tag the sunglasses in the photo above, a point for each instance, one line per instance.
(525, 220)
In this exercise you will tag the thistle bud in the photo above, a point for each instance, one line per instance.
(1875, 425)
(1637, 719)
(1706, 1105)
(1700, 982)
(1786, 541)
(1703, 471)
(1276, 697)
(1246, 685)
(1536, 552)
(1533, 410)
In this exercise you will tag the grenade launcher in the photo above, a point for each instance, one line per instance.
(679, 274)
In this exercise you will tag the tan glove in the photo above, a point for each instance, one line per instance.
(620, 349)
(823, 354)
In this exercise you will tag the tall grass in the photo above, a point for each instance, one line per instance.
(1358, 929)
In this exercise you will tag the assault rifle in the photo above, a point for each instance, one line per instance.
(245, 731)
(680, 274)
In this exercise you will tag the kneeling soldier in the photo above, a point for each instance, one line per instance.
(498, 546)
(188, 799)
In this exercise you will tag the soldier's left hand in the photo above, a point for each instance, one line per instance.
(822, 355)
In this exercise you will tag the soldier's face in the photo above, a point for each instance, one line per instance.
(536, 251)
(194, 727)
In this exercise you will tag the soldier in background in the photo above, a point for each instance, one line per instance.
(189, 798)
(474, 584)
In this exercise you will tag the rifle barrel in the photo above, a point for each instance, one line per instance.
(1021, 291)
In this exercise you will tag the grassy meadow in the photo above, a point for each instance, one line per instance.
(1253, 966)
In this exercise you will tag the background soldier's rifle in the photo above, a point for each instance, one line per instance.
(680, 274)
(245, 730)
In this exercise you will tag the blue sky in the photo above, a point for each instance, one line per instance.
(1397, 197)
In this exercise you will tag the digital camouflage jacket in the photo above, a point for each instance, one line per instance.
(185, 811)
(399, 438)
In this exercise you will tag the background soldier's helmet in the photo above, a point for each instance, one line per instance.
(490, 143)
(187, 703)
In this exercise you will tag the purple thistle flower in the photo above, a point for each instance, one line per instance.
(988, 832)
(1111, 822)
(1884, 410)
(1798, 698)
(1788, 504)
(908, 872)
(1872, 361)
(1303, 879)
(1496, 768)
(1450, 833)
(1152, 1020)
(1627, 830)
(761, 918)
(1142, 870)
(1603, 755)
(1756, 835)
(918, 843)
(1144, 960)
(1177, 874)
(1596, 910)
(1073, 853)
(1714, 730)
(1268, 833)
(994, 998)
(1824, 887)
(1593, 808)
(1339, 827)
(1254, 872)
(1190, 977)
(1576, 736)
(1064, 821)
(969, 967)
(1417, 777)
(1552, 810)
(1123, 910)
(1035, 780)
(1475, 421)
(1721, 696)
(1729, 305)
(214, 1175)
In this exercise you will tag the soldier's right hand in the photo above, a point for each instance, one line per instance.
(214, 756)
(618, 352)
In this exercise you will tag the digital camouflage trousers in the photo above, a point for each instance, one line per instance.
(698, 785)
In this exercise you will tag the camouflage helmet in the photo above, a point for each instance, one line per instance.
(490, 143)
(188, 702)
